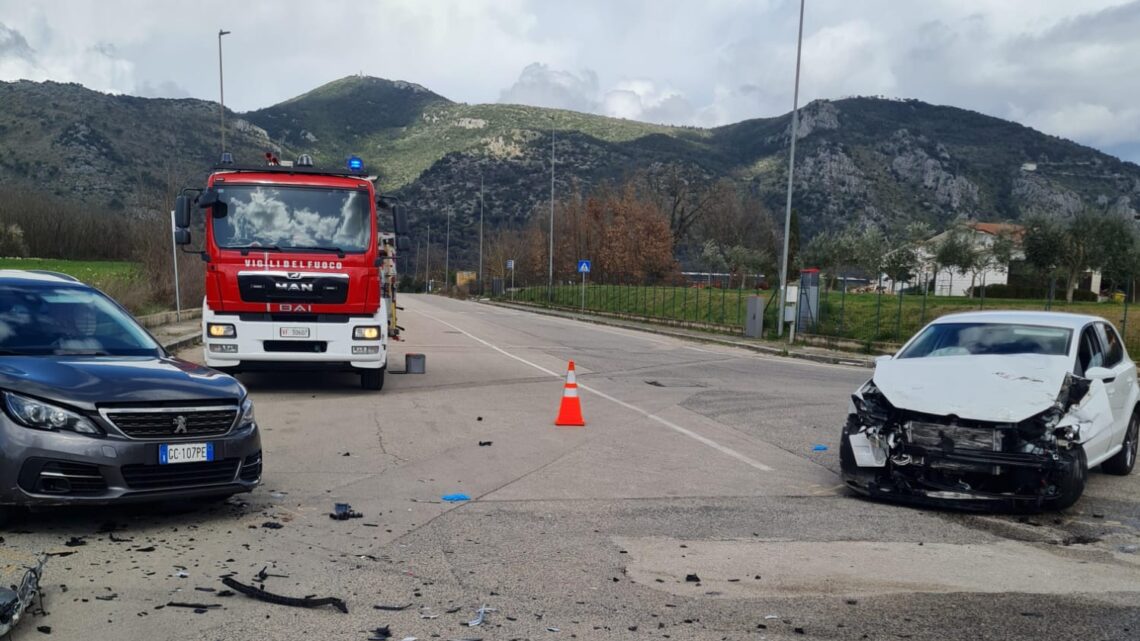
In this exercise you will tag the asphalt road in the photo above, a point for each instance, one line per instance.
(695, 460)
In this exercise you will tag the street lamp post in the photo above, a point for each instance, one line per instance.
(447, 256)
(550, 267)
(480, 232)
(222, 89)
(791, 168)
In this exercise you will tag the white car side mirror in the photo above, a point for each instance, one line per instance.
(1099, 373)
(883, 358)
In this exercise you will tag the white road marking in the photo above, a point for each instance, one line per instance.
(673, 426)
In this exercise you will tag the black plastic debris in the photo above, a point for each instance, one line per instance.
(107, 597)
(485, 443)
(269, 597)
(692, 578)
(44, 629)
(381, 634)
(75, 542)
(347, 454)
(344, 512)
(16, 599)
(272, 525)
(225, 593)
(392, 608)
(193, 606)
(149, 548)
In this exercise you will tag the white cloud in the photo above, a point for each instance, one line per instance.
(1066, 67)
(541, 86)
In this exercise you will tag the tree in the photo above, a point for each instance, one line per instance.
(827, 251)
(900, 265)
(683, 195)
(956, 252)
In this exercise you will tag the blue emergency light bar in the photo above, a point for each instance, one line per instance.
(355, 163)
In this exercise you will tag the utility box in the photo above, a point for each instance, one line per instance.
(754, 320)
(807, 301)
(791, 299)
(497, 288)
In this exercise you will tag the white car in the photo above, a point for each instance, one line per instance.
(995, 410)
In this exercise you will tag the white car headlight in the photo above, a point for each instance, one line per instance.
(39, 415)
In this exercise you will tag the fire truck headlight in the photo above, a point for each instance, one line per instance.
(366, 333)
(221, 330)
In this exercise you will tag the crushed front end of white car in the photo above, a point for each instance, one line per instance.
(988, 432)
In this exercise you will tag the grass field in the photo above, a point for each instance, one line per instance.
(98, 273)
(863, 318)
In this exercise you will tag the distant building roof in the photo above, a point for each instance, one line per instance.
(993, 229)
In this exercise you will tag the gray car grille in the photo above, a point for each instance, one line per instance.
(173, 423)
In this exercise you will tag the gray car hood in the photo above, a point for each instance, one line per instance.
(1004, 389)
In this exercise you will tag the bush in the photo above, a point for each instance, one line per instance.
(1085, 296)
(1011, 291)
(12, 243)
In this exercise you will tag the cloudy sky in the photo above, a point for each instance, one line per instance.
(1066, 67)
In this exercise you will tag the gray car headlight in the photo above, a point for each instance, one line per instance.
(247, 417)
(39, 415)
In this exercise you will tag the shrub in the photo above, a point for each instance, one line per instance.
(12, 243)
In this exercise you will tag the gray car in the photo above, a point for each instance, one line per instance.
(95, 411)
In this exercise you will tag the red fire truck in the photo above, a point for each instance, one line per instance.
(300, 267)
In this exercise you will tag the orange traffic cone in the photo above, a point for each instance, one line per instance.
(570, 412)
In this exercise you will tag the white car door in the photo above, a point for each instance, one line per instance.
(1099, 429)
(1120, 387)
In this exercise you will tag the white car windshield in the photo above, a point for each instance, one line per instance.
(961, 339)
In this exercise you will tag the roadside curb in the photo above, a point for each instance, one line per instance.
(834, 358)
(182, 342)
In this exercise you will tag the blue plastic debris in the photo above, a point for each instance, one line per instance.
(455, 498)
(819, 448)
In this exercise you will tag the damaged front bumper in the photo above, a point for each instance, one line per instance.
(941, 460)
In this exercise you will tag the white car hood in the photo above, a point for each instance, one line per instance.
(1004, 389)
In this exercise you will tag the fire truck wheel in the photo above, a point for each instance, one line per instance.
(373, 379)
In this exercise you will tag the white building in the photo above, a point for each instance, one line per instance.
(950, 282)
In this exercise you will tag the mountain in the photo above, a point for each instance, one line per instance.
(867, 161)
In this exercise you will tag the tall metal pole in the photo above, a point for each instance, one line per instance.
(480, 232)
(791, 168)
(447, 256)
(550, 268)
(222, 89)
(427, 262)
(174, 255)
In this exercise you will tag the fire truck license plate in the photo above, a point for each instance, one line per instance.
(294, 332)
(185, 453)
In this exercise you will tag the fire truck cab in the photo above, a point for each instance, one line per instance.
(300, 267)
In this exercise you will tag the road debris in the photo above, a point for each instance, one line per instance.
(392, 608)
(455, 498)
(485, 443)
(552, 629)
(381, 634)
(44, 629)
(76, 541)
(692, 578)
(269, 597)
(344, 512)
(193, 606)
(15, 601)
(272, 525)
(819, 448)
(482, 615)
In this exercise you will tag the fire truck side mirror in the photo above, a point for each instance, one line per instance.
(182, 212)
(400, 222)
(403, 244)
(181, 236)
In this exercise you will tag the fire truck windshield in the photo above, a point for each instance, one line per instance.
(291, 218)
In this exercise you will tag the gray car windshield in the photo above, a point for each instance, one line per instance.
(38, 321)
(292, 218)
(960, 339)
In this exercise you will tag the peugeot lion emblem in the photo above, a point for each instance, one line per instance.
(180, 424)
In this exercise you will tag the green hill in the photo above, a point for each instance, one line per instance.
(859, 160)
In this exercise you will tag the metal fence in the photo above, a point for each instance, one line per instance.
(871, 321)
